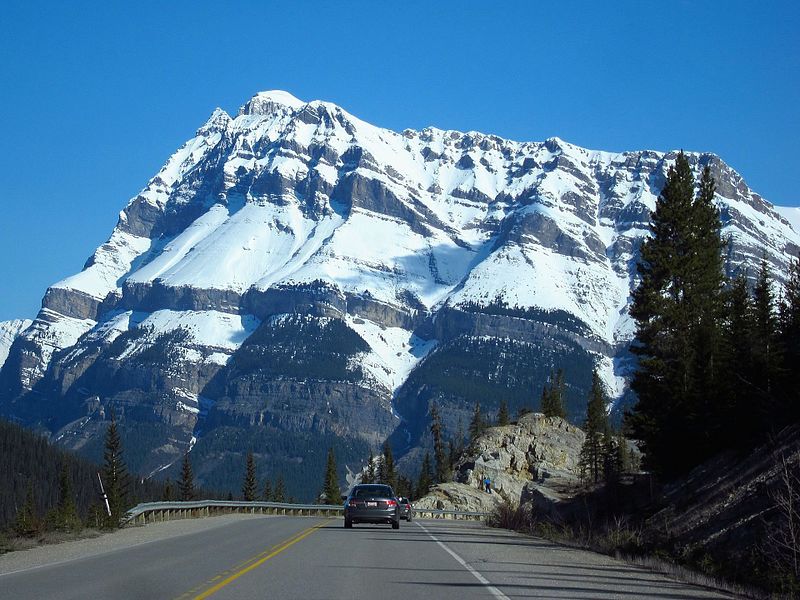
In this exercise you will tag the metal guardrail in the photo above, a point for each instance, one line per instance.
(150, 512)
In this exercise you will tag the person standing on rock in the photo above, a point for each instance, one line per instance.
(487, 483)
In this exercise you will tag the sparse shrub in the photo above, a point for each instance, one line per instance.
(510, 516)
(783, 533)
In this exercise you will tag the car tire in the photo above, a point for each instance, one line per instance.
(348, 524)
(396, 524)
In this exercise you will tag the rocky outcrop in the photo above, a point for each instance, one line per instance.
(532, 461)
(729, 505)
(460, 497)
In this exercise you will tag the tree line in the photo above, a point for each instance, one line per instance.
(45, 488)
(718, 355)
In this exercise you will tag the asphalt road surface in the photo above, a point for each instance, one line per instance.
(304, 557)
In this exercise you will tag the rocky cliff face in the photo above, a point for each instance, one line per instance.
(436, 265)
(534, 460)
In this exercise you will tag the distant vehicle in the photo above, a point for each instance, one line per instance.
(406, 510)
(371, 503)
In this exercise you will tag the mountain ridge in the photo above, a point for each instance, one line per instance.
(430, 245)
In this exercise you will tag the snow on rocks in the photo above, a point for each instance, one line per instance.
(9, 331)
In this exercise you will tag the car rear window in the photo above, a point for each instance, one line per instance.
(373, 491)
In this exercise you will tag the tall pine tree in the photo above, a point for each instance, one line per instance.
(27, 522)
(502, 414)
(705, 290)
(552, 402)
(330, 487)
(737, 388)
(266, 494)
(425, 480)
(369, 473)
(677, 307)
(67, 509)
(389, 475)
(790, 344)
(249, 484)
(477, 425)
(594, 450)
(115, 475)
(279, 494)
(187, 479)
(766, 353)
(439, 453)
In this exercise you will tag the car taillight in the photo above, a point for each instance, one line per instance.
(391, 502)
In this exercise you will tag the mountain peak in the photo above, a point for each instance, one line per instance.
(218, 120)
(265, 103)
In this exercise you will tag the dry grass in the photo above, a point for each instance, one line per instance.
(615, 537)
(13, 543)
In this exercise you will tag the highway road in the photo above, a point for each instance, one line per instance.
(313, 558)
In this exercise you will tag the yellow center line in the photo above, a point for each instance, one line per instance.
(278, 549)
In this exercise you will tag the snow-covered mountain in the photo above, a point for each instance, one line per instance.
(9, 331)
(791, 214)
(437, 265)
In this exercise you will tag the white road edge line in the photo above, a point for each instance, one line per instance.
(487, 584)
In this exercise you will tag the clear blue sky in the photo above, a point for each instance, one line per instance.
(95, 96)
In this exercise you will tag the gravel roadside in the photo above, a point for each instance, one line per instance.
(41, 556)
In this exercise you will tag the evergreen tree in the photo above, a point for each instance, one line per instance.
(438, 445)
(595, 449)
(552, 401)
(502, 414)
(452, 454)
(249, 485)
(477, 425)
(266, 495)
(765, 348)
(677, 308)
(738, 387)
(705, 293)
(67, 509)
(459, 439)
(369, 474)
(389, 473)
(425, 480)
(623, 455)
(380, 473)
(790, 344)
(280, 490)
(404, 487)
(27, 522)
(115, 475)
(612, 462)
(168, 495)
(330, 487)
(187, 479)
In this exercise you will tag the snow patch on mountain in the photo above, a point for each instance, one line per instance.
(394, 352)
(791, 214)
(9, 331)
(110, 262)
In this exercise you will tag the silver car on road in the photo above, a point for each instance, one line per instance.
(371, 503)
